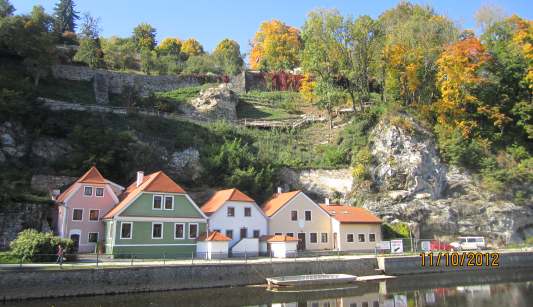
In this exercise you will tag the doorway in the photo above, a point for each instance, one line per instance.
(244, 233)
(76, 239)
(301, 241)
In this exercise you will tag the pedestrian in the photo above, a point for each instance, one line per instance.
(60, 254)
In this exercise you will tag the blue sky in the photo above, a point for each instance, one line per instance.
(210, 21)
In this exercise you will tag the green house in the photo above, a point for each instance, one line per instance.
(155, 218)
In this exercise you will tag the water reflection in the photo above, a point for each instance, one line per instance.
(472, 290)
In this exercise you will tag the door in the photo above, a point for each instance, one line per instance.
(76, 239)
(301, 241)
(244, 233)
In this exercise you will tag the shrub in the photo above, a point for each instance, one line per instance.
(38, 246)
(396, 230)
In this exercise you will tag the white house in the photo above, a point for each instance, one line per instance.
(212, 246)
(238, 217)
(279, 246)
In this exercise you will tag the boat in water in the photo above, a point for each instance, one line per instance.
(310, 280)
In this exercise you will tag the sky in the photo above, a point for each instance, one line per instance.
(210, 21)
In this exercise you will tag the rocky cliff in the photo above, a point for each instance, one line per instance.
(409, 183)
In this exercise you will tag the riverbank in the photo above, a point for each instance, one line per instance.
(26, 284)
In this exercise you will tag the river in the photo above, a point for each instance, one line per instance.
(504, 288)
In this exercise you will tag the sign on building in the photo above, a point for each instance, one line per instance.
(396, 246)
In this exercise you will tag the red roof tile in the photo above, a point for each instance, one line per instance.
(277, 201)
(213, 236)
(156, 182)
(278, 238)
(220, 197)
(349, 214)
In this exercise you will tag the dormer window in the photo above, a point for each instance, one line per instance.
(99, 192)
(87, 191)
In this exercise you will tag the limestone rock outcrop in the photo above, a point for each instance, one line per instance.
(217, 103)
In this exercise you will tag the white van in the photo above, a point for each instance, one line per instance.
(469, 243)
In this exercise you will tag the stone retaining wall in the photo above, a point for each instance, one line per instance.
(39, 284)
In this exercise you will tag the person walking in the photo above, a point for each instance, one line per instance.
(60, 254)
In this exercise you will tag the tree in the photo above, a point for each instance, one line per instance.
(90, 51)
(6, 9)
(201, 64)
(148, 61)
(119, 53)
(65, 16)
(228, 56)
(170, 46)
(276, 46)
(144, 37)
(487, 15)
(191, 47)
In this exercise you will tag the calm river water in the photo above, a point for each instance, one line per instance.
(512, 288)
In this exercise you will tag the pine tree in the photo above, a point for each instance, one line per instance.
(65, 16)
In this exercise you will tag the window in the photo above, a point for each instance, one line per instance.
(247, 211)
(290, 234)
(229, 234)
(364, 304)
(193, 231)
(231, 211)
(125, 230)
(87, 191)
(169, 203)
(324, 237)
(256, 233)
(349, 237)
(157, 230)
(372, 237)
(179, 231)
(361, 237)
(158, 199)
(77, 214)
(294, 215)
(244, 232)
(353, 304)
(93, 237)
(307, 215)
(216, 230)
(278, 234)
(375, 304)
(94, 214)
(99, 192)
(315, 305)
(313, 237)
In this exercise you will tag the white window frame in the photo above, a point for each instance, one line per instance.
(197, 230)
(227, 235)
(316, 236)
(89, 236)
(227, 211)
(97, 220)
(278, 234)
(165, 202)
(322, 235)
(258, 231)
(131, 230)
(364, 238)
(92, 190)
(310, 215)
(153, 202)
(290, 234)
(183, 234)
(353, 238)
(103, 191)
(297, 215)
(72, 216)
(162, 230)
(244, 213)
(370, 235)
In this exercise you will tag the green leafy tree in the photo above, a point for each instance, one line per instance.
(148, 61)
(201, 64)
(65, 16)
(228, 56)
(119, 53)
(6, 9)
(90, 51)
(144, 37)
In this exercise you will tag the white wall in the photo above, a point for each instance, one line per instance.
(212, 249)
(220, 221)
(249, 246)
(283, 249)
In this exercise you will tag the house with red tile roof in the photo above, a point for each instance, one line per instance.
(237, 216)
(279, 246)
(354, 229)
(154, 218)
(294, 214)
(82, 205)
(213, 245)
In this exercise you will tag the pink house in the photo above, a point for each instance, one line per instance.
(82, 206)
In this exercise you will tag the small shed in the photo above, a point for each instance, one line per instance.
(213, 245)
(279, 246)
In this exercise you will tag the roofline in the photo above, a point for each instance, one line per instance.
(284, 204)
(299, 191)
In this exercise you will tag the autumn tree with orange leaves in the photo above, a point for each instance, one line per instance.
(276, 46)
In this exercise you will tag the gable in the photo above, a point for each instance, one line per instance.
(141, 206)
(301, 202)
(239, 206)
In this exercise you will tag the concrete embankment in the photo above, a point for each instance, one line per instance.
(39, 284)
(452, 262)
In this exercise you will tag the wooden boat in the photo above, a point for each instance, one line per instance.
(308, 280)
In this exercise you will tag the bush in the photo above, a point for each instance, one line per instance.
(395, 231)
(38, 246)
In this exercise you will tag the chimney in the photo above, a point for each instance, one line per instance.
(326, 201)
(279, 190)
(55, 193)
(140, 178)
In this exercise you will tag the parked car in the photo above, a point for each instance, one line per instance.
(468, 243)
(437, 245)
